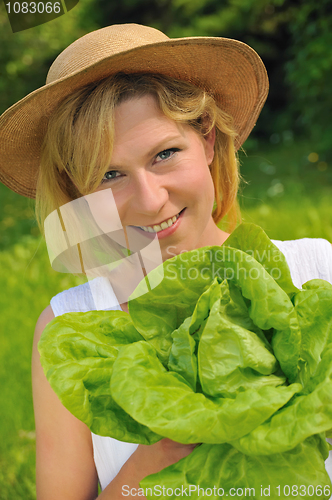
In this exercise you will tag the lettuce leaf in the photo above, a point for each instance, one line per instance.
(252, 240)
(78, 358)
(226, 352)
(164, 401)
(229, 471)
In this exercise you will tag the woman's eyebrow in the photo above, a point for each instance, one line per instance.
(163, 144)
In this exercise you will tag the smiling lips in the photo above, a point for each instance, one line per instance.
(163, 225)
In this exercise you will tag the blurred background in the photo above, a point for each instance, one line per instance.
(286, 164)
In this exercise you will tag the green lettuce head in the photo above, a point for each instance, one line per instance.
(225, 352)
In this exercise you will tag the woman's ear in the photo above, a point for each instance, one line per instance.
(208, 141)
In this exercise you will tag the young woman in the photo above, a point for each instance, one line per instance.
(156, 123)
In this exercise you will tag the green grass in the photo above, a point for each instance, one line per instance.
(17, 218)
(286, 194)
(292, 219)
(26, 286)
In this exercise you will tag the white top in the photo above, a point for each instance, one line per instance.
(307, 259)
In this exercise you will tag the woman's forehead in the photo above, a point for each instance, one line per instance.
(136, 109)
(141, 117)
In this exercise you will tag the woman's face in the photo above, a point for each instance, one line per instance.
(160, 178)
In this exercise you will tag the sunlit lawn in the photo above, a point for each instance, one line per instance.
(26, 286)
(288, 195)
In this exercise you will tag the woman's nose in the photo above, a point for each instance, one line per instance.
(149, 194)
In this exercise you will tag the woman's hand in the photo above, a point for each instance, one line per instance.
(162, 454)
(146, 460)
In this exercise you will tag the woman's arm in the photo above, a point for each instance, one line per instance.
(64, 455)
(144, 461)
(65, 465)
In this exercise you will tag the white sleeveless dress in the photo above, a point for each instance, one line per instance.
(307, 259)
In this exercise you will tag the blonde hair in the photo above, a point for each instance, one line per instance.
(78, 144)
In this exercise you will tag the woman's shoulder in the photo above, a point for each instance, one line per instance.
(58, 305)
(307, 258)
(46, 316)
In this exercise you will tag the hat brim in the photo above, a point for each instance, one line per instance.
(228, 69)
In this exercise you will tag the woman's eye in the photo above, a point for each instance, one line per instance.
(166, 154)
(109, 176)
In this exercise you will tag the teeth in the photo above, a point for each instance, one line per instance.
(159, 227)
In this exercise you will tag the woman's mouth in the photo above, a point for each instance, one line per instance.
(164, 228)
(156, 228)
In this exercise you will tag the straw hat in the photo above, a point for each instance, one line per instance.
(228, 69)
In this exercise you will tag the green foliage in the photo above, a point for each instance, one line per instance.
(293, 38)
(309, 68)
(26, 56)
